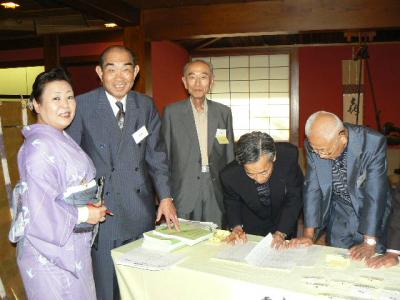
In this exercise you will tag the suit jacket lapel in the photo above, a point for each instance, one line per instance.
(324, 173)
(353, 154)
(248, 187)
(105, 116)
(277, 186)
(187, 119)
(212, 120)
(131, 119)
(106, 113)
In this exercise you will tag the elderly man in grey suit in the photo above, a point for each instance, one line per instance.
(346, 190)
(199, 137)
(120, 130)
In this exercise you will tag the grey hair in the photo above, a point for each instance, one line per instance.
(329, 133)
(251, 146)
(210, 66)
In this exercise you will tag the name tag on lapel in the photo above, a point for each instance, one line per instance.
(140, 134)
(221, 136)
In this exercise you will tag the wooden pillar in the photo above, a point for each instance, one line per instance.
(51, 51)
(134, 39)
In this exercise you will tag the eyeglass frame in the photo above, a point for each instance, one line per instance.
(323, 152)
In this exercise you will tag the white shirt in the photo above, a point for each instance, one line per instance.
(112, 101)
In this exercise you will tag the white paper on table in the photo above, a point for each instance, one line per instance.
(149, 259)
(236, 252)
(263, 255)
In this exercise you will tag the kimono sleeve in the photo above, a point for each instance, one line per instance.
(51, 219)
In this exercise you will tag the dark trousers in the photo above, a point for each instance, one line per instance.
(206, 206)
(103, 269)
(342, 229)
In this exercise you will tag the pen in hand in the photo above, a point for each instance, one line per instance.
(108, 212)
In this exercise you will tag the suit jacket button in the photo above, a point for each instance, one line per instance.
(138, 191)
(198, 177)
(136, 169)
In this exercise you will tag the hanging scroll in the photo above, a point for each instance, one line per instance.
(353, 91)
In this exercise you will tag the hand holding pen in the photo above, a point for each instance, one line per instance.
(99, 196)
(107, 211)
(96, 213)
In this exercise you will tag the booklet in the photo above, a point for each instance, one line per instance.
(160, 243)
(191, 232)
(150, 259)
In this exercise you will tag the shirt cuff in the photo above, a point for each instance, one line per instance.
(169, 197)
(83, 214)
(393, 251)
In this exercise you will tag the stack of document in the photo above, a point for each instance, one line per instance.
(149, 259)
(262, 255)
(153, 241)
(191, 232)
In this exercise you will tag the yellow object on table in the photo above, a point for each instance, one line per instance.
(202, 276)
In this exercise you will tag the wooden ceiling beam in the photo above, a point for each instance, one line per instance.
(269, 17)
(36, 13)
(112, 11)
(207, 43)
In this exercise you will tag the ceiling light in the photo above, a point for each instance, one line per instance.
(9, 5)
(110, 25)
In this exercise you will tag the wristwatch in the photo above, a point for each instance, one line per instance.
(370, 241)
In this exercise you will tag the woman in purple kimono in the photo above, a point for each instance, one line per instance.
(54, 244)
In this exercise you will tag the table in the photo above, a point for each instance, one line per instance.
(201, 276)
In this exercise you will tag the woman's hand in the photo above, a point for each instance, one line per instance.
(96, 214)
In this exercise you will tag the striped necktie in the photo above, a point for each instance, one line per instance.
(120, 114)
(339, 178)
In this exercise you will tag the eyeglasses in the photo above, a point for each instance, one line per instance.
(324, 152)
(265, 173)
(327, 152)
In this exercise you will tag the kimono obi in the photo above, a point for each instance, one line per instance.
(81, 195)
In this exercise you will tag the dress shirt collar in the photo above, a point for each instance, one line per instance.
(112, 101)
(194, 107)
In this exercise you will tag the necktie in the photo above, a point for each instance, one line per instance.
(264, 193)
(339, 178)
(120, 114)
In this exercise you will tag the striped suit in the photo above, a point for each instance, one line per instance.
(129, 169)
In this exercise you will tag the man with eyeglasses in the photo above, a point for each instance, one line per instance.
(262, 189)
(346, 190)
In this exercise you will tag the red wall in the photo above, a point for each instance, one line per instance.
(167, 62)
(320, 82)
(21, 54)
(85, 49)
(84, 78)
(319, 71)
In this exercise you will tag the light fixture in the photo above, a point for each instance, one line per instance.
(11, 5)
(110, 25)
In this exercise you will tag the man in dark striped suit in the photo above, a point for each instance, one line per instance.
(120, 130)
